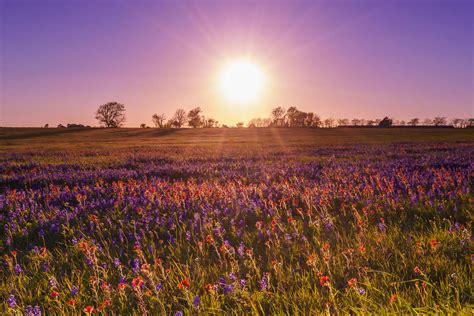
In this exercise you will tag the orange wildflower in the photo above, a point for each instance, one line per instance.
(324, 280)
(393, 298)
(136, 282)
(352, 282)
(122, 286)
(88, 309)
(71, 302)
(209, 239)
(183, 283)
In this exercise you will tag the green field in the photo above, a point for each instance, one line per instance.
(53, 138)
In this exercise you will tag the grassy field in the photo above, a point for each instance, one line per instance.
(236, 221)
(53, 138)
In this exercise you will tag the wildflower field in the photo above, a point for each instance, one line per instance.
(265, 227)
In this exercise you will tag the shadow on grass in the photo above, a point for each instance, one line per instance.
(44, 132)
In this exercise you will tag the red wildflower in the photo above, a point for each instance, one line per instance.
(122, 286)
(393, 298)
(105, 286)
(88, 309)
(274, 224)
(324, 280)
(145, 268)
(433, 243)
(209, 287)
(183, 283)
(54, 294)
(136, 282)
(43, 252)
(104, 304)
(325, 247)
(71, 302)
(352, 282)
(289, 219)
(417, 270)
(209, 239)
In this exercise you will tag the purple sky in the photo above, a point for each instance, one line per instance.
(61, 59)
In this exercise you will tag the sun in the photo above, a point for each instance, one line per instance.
(241, 81)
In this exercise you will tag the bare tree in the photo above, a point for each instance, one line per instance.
(355, 122)
(329, 122)
(414, 122)
(278, 116)
(427, 121)
(111, 114)
(179, 118)
(343, 122)
(370, 122)
(457, 122)
(159, 120)
(439, 121)
(194, 117)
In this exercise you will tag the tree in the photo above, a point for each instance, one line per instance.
(210, 122)
(61, 126)
(355, 122)
(179, 118)
(315, 120)
(278, 116)
(414, 122)
(240, 124)
(457, 122)
(46, 125)
(142, 125)
(329, 122)
(427, 121)
(342, 122)
(159, 120)
(439, 121)
(371, 123)
(111, 114)
(385, 122)
(194, 117)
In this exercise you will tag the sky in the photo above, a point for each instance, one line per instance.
(60, 60)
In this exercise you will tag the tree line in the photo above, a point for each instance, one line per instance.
(112, 115)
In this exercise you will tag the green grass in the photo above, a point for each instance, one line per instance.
(55, 139)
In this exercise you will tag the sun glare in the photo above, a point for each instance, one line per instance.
(241, 81)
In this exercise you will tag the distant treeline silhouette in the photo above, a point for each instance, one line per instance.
(112, 115)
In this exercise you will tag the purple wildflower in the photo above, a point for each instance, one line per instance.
(52, 282)
(18, 269)
(196, 301)
(11, 301)
(74, 291)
